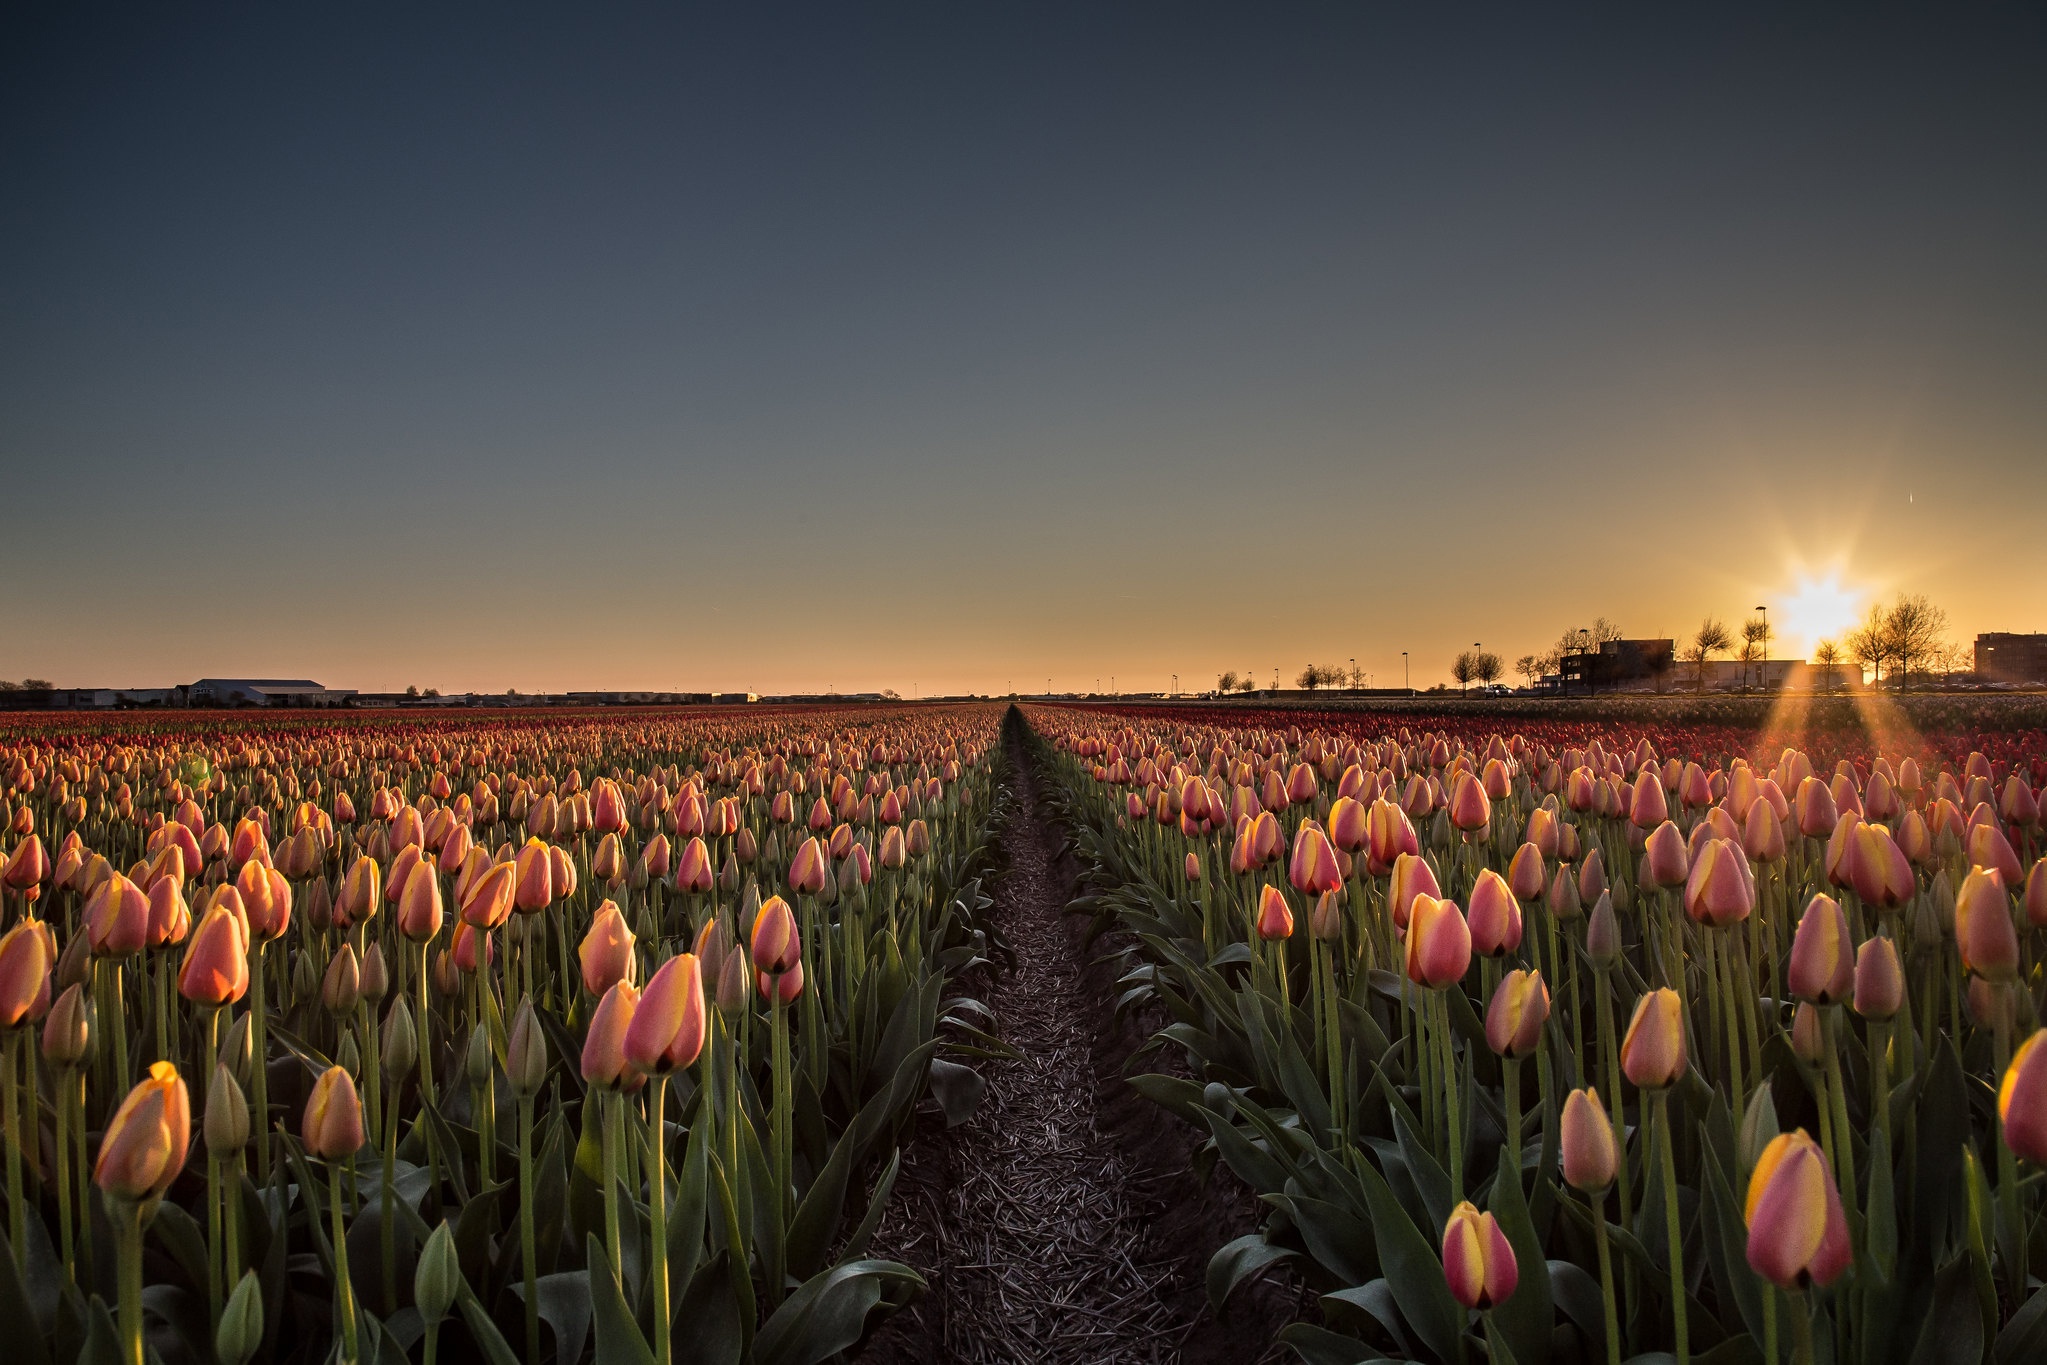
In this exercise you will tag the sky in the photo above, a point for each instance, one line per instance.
(967, 348)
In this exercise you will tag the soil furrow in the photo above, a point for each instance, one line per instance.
(1063, 1222)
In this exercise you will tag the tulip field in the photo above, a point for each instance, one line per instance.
(588, 1036)
(548, 1037)
(1542, 1041)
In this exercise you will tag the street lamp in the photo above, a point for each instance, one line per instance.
(1354, 674)
(1585, 661)
(1406, 683)
(1766, 646)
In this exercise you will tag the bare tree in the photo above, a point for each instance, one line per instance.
(1529, 667)
(1827, 655)
(1248, 684)
(1755, 647)
(1869, 643)
(1486, 667)
(1603, 630)
(1311, 677)
(1464, 668)
(1915, 629)
(1712, 639)
(1228, 682)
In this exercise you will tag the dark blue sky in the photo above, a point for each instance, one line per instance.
(944, 347)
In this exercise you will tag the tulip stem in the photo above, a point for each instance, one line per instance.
(528, 1248)
(260, 1057)
(216, 1259)
(778, 1020)
(2010, 1231)
(63, 1107)
(387, 1227)
(1801, 1331)
(344, 1292)
(609, 1105)
(127, 1217)
(426, 1035)
(1511, 1074)
(1837, 1096)
(657, 1186)
(17, 1211)
(1452, 1102)
(1659, 1108)
(1613, 1317)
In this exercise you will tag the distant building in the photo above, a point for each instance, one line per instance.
(2002, 657)
(1618, 664)
(266, 692)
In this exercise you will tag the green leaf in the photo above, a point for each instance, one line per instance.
(485, 1332)
(618, 1337)
(1176, 1094)
(957, 1089)
(1880, 1218)
(1577, 1293)
(18, 1325)
(1953, 1332)
(1527, 1316)
(2024, 1338)
(828, 1312)
(564, 1305)
(1375, 1300)
(1413, 1269)
(708, 1327)
(1237, 1261)
(1320, 1346)
(817, 1217)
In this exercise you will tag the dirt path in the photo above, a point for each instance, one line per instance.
(1063, 1222)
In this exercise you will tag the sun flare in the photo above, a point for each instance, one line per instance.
(1817, 609)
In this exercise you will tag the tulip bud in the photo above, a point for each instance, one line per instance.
(1808, 1035)
(1603, 933)
(400, 1046)
(1879, 980)
(1438, 943)
(607, 950)
(341, 989)
(1797, 1231)
(1666, 861)
(478, 1061)
(1519, 1009)
(2022, 1101)
(604, 1063)
(240, 1333)
(144, 1146)
(1478, 1262)
(1653, 1051)
(28, 953)
(1983, 928)
(226, 1123)
(526, 1053)
(774, 944)
(67, 1029)
(1275, 918)
(437, 1281)
(731, 983)
(1325, 921)
(1822, 970)
(670, 1025)
(1494, 916)
(784, 988)
(1590, 1157)
(1720, 890)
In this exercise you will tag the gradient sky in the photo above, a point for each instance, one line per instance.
(947, 348)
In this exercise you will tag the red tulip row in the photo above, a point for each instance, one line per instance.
(795, 888)
(1477, 901)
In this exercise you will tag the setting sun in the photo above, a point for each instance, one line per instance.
(1816, 609)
